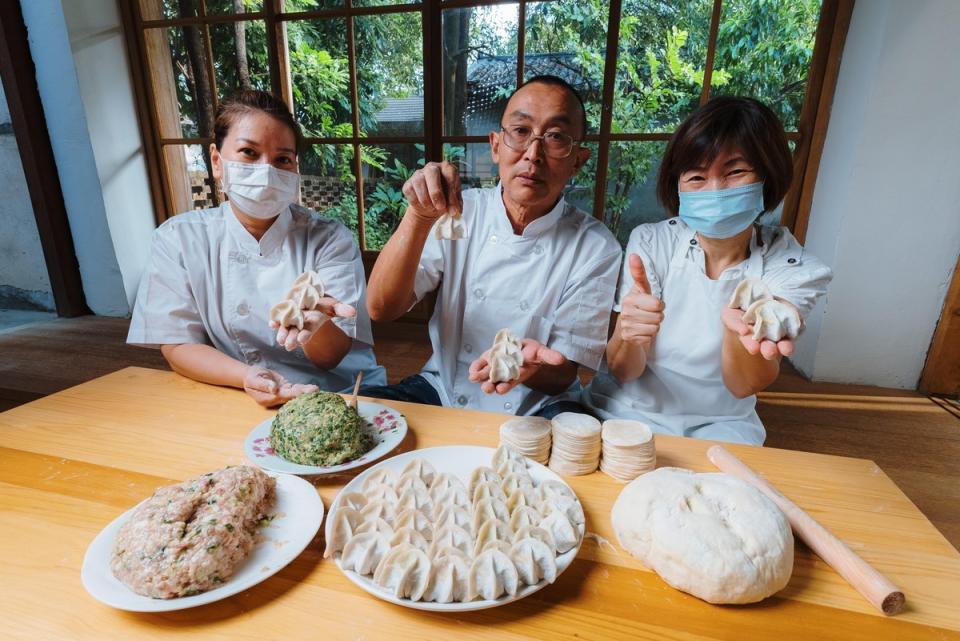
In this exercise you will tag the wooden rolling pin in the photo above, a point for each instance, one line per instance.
(875, 587)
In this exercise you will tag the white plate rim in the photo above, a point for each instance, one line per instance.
(296, 495)
(366, 583)
(395, 433)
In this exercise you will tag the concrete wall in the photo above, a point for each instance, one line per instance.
(886, 210)
(24, 283)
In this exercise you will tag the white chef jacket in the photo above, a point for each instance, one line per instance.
(553, 283)
(209, 281)
(681, 391)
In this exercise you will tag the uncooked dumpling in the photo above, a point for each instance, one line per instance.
(345, 525)
(773, 320)
(565, 534)
(287, 314)
(449, 579)
(404, 572)
(749, 291)
(364, 551)
(505, 358)
(450, 227)
(452, 536)
(492, 575)
(711, 535)
(409, 536)
(304, 295)
(534, 561)
(421, 468)
(416, 520)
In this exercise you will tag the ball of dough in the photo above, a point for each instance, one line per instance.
(711, 535)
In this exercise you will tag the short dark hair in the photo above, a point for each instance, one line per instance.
(553, 81)
(249, 101)
(728, 121)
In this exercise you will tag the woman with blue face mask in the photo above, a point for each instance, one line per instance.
(214, 275)
(679, 358)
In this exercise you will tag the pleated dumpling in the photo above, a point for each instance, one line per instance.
(492, 575)
(773, 320)
(443, 482)
(451, 536)
(363, 552)
(411, 480)
(555, 488)
(404, 572)
(422, 469)
(487, 490)
(449, 579)
(492, 530)
(455, 495)
(510, 466)
(382, 475)
(503, 546)
(571, 508)
(565, 534)
(345, 524)
(417, 520)
(524, 516)
(376, 525)
(505, 357)
(381, 492)
(415, 498)
(522, 498)
(355, 500)
(409, 536)
(379, 509)
(506, 453)
(451, 515)
(513, 482)
(534, 561)
(749, 291)
(538, 533)
(489, 509)
(482, 475)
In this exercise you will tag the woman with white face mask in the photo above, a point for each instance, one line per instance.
(679, 357)
(214, 275)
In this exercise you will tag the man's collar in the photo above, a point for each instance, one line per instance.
(536, 227)
(272, 238)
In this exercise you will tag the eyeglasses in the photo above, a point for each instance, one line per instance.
(555, 144)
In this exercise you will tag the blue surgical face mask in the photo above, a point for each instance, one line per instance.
(724, 213)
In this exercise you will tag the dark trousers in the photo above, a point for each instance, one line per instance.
(416, 389)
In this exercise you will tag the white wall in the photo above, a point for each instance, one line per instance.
(84, 84)
(886, 210)
(24, 283)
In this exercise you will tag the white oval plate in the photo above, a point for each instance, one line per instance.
(298, 513)
(385, 424)
(460, 461)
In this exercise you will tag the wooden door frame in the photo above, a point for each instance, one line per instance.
(39, 165)
(941, 373)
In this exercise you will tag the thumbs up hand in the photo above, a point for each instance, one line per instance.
(641, 312)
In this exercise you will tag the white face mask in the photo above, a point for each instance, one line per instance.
(259, 190)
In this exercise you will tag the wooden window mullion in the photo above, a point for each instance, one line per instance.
(711, 51)
(521, 39)
(606, 107)
(355, 120)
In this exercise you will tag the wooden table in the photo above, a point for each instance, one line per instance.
(73, 461)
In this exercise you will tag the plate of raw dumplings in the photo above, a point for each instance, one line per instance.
(455, 528)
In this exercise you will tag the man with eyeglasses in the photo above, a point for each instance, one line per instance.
(529, 261)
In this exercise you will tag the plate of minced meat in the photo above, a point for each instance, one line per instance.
(202, 540)
(319, 433)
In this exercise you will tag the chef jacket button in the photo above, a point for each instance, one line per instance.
(524, 306)
(693, 241)
(508, 406)
(254, 357)
(478, 293)
(538, 249)
(461, 400)
(673, 221)
(791, 260)
(468, 348)
(493, 238)
(242, 309)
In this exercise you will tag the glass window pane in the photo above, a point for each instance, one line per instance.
(188, 178)
(390, 74)
(567, 38)
(660, 63)
(181, 81)
(385, 169)
(244, 67)
(165, 9)
(320, 77)
(764, 51)
(632, 186)
(479, 67)
(219, 7)
(474, 161)
(328, 185)
(382, 3)
(580, 190)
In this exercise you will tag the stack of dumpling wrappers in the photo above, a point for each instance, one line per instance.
(530, 436)
(429, 536)
(628, 449)
(576, 444)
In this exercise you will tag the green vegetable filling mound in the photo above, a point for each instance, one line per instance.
(318, 428)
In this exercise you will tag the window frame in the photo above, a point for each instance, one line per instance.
(821, 80)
